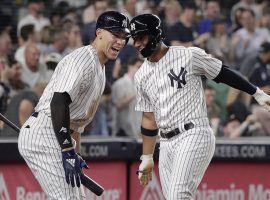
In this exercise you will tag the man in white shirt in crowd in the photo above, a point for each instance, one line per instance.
(35, 16)
(124, 99)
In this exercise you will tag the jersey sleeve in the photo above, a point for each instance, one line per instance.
(204, 64)
(74, 76)
(143, 102)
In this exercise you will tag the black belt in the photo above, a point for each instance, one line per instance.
(176, 131)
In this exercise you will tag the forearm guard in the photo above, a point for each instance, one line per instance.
(61, 119)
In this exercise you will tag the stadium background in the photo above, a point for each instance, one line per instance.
(240, 166)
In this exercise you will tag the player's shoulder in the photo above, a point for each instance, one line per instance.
(83, 56)
(183, 50)
(85, 51)
(196, 50)
(143, 70)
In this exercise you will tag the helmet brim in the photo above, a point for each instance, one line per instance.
(126, 31)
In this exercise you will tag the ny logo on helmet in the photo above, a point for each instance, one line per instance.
(132, 26)
(124, 23)
(180, 79)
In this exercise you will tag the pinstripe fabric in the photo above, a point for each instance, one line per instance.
(172, 89)
(174, 107)
(81, 75)
(41, 151)
(83, 78)
(183, 161)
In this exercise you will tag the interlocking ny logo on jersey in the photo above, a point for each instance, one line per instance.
(180, 79)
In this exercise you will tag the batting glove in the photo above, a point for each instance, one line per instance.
(73, 164)
(145, 169)
(262, 98)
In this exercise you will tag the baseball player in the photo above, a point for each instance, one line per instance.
(170, 95)
(67, 105)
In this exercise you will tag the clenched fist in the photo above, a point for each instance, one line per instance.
(145, 169)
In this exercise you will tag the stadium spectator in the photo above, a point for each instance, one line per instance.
(21, 106)
(88, 30)
(35, 16)
(59, 43)
(129, 8)
(5, 42)
(236, 20)
(211, 12)
(51, 61)
(233, 127)
(256, 67)
(127, 120)
(27, 35)
(32, 70)
(219, 43)
(172, 11)
(182, 33)
(99, 125)
(245, 4)
(13, 78)
(250, 37)
(73, 36)
(4, 89)
(213, 111)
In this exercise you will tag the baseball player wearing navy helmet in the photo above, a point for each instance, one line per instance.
(67, 105)
(170, 95)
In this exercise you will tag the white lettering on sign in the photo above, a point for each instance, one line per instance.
(22, 194)
(108, 194)
(253, 192)
(95, 151)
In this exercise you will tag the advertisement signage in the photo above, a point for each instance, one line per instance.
(18, 183)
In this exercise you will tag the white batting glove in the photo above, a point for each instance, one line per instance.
(145, 169)
(262, 98)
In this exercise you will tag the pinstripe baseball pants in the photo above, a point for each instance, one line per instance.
(183, 160)
(39, 148)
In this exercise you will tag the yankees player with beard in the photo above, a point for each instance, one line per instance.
(67, 105)
(170, 95)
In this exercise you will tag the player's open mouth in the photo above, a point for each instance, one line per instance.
(115, 50)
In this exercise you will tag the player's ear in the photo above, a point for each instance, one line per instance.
(98, 33)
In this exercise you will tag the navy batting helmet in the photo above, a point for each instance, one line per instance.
(147, 24)
(113, 21)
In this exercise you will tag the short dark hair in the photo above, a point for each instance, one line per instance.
(265, 47)
(133, 60)
(26, 30)
(250, 11)
(189, 4)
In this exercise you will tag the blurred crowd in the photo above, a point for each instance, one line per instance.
(36, 34)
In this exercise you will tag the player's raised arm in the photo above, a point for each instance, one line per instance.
(236, 80)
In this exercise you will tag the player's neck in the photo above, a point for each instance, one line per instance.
(101, 56)
(158, 53)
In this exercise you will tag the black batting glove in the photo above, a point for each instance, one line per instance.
(72, 163)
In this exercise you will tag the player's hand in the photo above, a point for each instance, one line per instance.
(83, 163)
(262, 98)
(73, 164)
(145, 169)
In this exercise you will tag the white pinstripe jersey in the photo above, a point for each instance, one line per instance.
(81, 75)
(172, 87)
